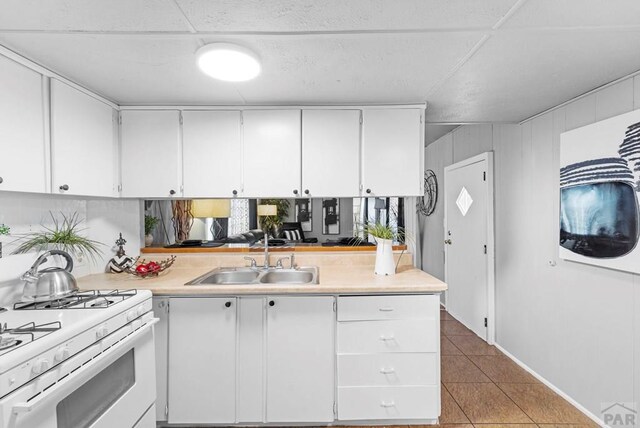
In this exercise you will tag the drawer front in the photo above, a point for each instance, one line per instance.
(392, 369)
(369, 337)
(362, 308)
(389, 402)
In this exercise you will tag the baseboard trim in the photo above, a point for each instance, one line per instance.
(552, 386)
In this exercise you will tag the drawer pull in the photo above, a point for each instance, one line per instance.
(387, 339)
(387, 371)
(385, 309)
(390, 404)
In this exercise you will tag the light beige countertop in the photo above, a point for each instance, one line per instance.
(333, 279)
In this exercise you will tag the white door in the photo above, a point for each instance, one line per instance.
(300, 359)
(468, 241)
(83, 144)
(271, 153)
(392, 152)
(202, 360)
(150, 154)
(23, 161)
(331, 153)
(212, 154)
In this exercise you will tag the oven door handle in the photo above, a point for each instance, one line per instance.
(87, 371)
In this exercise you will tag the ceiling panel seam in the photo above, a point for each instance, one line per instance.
(190, 26)
(475, 48)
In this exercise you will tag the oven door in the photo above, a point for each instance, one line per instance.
(112, 389)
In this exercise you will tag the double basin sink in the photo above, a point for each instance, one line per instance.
(246, 275)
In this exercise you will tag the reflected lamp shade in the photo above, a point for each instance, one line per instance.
(267, 210)
(211, 208)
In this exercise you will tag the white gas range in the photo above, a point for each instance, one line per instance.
(83, 361)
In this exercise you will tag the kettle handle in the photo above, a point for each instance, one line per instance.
(43, 258)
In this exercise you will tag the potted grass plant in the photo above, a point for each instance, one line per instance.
(384, 235)
(4, 231)
(66, 235)
(150, 223)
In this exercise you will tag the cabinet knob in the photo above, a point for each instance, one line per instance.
(306, 191)
(272, 303)
(235, 193)
(64, 187)
(227, 305)
(1, 180)
(368, 190)
(172, 192)
(295, 192)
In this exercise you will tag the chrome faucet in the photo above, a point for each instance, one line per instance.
(266, 250)
(291, 261)
(253, 262)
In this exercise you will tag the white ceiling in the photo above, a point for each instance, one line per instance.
(472, 61)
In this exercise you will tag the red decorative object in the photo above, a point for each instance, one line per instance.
(143, 269)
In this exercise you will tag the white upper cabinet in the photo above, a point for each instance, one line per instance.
(150, 154)
(271, 153)
(330, 153)
(83, 144)
(392, 152)
(23, 158)
(212, 154)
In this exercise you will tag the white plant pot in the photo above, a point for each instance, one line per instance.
(148, 240)
(385, 265)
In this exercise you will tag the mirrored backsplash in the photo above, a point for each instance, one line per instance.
(320, 221)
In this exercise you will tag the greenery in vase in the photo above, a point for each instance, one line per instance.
(150, 223)
(4, 229)
(272, 223)
(383, 231)
(64, 235)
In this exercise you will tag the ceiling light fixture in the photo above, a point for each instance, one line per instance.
(229, 62)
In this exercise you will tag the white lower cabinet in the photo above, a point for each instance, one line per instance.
(256, 360)
(388, 351)
(202, 360)
(300, 359)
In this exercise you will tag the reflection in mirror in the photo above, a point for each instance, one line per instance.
(235, 222)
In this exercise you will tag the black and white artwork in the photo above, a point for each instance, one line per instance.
(304, 214)
(331, 216)
(599, 184)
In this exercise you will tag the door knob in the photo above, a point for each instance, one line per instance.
(64, 187)
(172, 192)
(447, 241)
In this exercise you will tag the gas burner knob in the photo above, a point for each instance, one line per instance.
(61, 355)
(140, 311)
(131, 315)
(102, 331)
(40, 366)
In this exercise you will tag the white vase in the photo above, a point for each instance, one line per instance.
(385, 265)
(148, 240)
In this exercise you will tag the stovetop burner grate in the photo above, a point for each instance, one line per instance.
(94, 299)
(10, 341)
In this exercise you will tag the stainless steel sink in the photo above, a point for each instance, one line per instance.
(246, 275)
(288, 276)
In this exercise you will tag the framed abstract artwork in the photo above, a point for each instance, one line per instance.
(599, 184)
(331, 216)
(304, 214)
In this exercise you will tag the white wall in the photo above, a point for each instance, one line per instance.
(104, 220)
(576, 325)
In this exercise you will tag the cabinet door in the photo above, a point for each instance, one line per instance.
(300, 359)
(202, 360)
(23, 163)
(150, 154)
(83, 148)
(331, 153)
(161, 338)
(271, 153)
(212, 154)
(392, 152)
